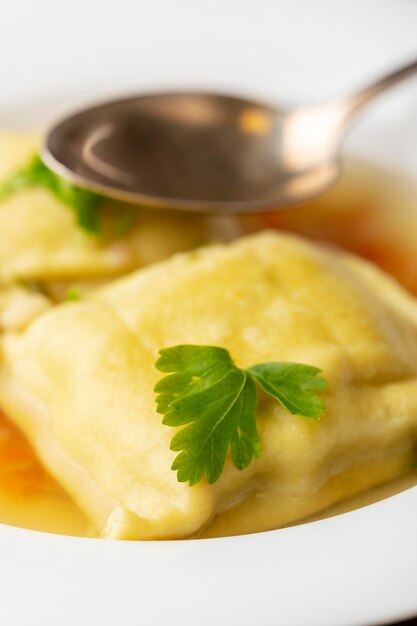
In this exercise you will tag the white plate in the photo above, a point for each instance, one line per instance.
(357, 568)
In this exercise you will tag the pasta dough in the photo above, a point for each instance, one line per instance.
(40, 239)
(79, 382)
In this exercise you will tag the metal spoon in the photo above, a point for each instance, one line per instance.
(206, 152)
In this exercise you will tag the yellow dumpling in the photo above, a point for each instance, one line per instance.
(40, 239)
(79, 382)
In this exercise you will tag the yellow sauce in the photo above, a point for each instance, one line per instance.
(29, 496)
(370, 213)
(354, 488)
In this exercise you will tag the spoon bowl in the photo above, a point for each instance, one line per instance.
(206, 152)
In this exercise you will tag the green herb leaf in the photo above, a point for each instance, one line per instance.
(293, 385)
(125, 222)
(84, 203)
(72, 295)
(216, 402)
(34, 286)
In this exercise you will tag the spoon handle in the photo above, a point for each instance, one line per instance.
(359, 99)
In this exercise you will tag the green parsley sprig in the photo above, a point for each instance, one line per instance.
(217, 402)
(73, 294)
(84, 203)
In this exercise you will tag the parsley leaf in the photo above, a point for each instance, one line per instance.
(292, 385)
(34, 286)
(125, 222)
(83, 203)
(72, 295)
(216, 402)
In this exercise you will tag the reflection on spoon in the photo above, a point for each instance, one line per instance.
(207, 152)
